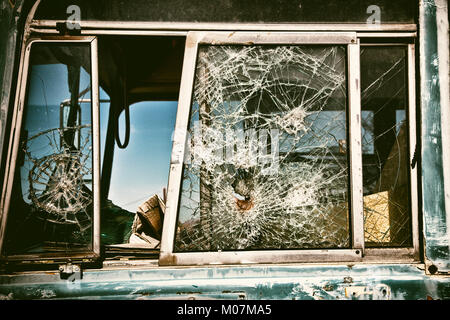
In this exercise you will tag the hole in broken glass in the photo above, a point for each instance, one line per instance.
(57, 185)
(266, 162)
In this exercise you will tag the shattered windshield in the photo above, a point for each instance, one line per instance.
(266, 162)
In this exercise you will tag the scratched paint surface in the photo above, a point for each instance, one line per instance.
(234, 282)
(435, 229)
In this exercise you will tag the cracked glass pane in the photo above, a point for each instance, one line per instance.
(387, 217)
(266, 155)
(51, 204)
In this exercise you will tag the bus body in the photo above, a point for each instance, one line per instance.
(225, 150)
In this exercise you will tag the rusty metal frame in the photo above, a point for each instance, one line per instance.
(15, 137)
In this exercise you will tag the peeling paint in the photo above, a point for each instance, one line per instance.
(46, 294)
(257, 282)
(433, 193)
(6, 297)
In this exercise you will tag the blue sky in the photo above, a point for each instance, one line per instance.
(140, 170)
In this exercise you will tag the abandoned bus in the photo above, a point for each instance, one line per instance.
(224, 149)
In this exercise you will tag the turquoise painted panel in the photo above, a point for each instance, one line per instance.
(380, 282)
(434, 215)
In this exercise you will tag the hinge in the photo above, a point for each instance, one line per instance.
(70, 272)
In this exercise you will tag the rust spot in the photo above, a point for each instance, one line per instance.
(328, 287)
(348, 280)
(166, 259)
(245, 205)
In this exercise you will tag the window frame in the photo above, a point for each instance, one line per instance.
(13, 146)
(405, 254)
(352, 254)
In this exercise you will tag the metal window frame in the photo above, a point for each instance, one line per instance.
(193, 40)
(14, 141)
(138, 26)
(405, 254)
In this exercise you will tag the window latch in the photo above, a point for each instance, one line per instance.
(70, 272)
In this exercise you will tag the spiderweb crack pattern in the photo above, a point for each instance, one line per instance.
(264, 168)
(56, 179)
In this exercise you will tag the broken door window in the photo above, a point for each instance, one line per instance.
(51, 203)
(387, 216)
(266, 163)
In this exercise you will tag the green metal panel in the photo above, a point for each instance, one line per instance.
(433, 197)
(314, 282)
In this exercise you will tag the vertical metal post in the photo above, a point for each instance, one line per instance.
(436, 225)
(96, 145)
(178, 149)
(356, 181)
(413, 147)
